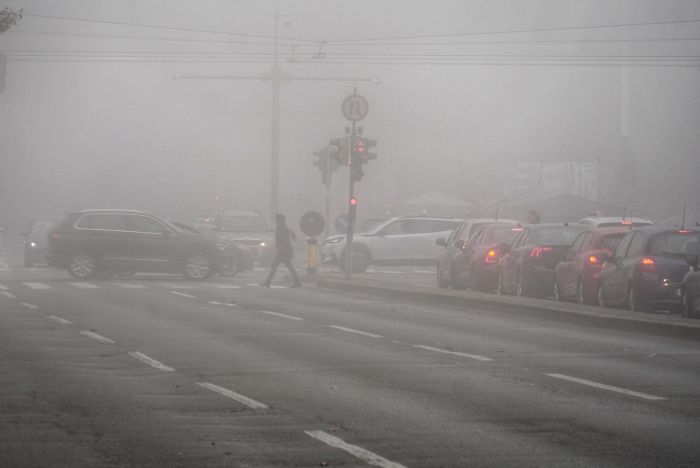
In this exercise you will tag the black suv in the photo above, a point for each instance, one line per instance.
(102, 242)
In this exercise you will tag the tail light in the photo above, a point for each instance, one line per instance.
(647, 265)
(594, 260)
(538, 251)
(492, 256)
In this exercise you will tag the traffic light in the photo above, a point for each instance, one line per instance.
(360, 155)
(327, 162)
(353, 209)
(340, 150)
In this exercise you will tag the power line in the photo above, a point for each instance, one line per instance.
(512, 31)
(171, 28)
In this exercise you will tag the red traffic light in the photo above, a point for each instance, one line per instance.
(360, 147)
(353, 201)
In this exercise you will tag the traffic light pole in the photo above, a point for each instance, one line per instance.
(351, 209)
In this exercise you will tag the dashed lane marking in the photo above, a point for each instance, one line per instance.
(8, 294)
(601, 386)
(59, 320)
(358, 452)
(454, 353)
(82, 285)
(423, 285)
(28, 306)
(225, 286)
(426, 272)
(233, 395)
(177, 293)
(272, 286)
(352, 330)
(37, 285)
(95, 336)
(151, 362)
(277, 314)
(4, 288)
(214, 303)
(130, 285)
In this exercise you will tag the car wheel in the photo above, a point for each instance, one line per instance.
(81, 266)
(361, 258)
(580, 294)
(198, 267)
(557, 293)
(634, 302)
(229, 269)
(440, 281)
(601, 296)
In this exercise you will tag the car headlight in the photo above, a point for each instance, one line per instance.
(32, 244)
(262, 244)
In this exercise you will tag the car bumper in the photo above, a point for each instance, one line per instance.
(660, 293)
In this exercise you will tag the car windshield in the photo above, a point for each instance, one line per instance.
(501, 235)
(675, 243)
(610, 241)
(243, 224)
(558, 235)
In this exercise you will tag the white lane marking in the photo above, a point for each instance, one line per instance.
(274, 286)
(151, 362)
(225, 286)
(371, 270)
(259, 269)
(421, 285)
(84, 285)
(390, 272)
(130, 285)
(590, 383)
(4, 288)
(231, 304)
(277, 314)
(358, 452)
(454, 353)
(4, 266)
(352, 330)
(8, 294)
(37, 285)
(233, 395)
(427, 272)
(175, 286)
(177, 293)
(214, 303)
(28, 306)
(59, 320)
(95, 336)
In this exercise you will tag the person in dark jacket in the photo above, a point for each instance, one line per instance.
(284, 252)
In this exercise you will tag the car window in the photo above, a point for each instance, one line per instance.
(103, 221)
(500, 235)
(675, 243)
(424, 226)
(395, 228)
(521, 239)
(556, 235)
(576, 245)
(456, 233)
(621, 249)
(478, 236)
(587, 241)
(637, 246)
(611, 241)
(145, 224)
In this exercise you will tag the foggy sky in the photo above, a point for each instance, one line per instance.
(86, 133)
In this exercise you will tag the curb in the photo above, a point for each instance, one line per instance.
(611, 319)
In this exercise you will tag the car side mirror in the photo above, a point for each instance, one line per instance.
(441, 241)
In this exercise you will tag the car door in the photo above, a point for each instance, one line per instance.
(152, 245)
(612, 277)
(391, 242)
(448, 252)
(470, 249)
(104, 235)
(423, 234)
(509, 263)
(567, 269)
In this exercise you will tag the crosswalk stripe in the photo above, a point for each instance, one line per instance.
(8, 294)
(130, 285)
(37, 286)
(84, 285)
(4, 288)
(225, 286)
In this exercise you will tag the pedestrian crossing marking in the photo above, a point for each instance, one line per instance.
(84, 285)
(175, 286)
(224, 286)
(3, 288)
(130, 285)
(37, 285)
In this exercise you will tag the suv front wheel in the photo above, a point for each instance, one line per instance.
(81, 266)
(197, 267)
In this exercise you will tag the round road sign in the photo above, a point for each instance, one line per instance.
(312, 223)
(355, 107)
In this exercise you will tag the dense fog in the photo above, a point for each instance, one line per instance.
(459, 93)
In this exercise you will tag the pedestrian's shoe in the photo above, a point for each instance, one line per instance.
(265, 285)
(296, 285)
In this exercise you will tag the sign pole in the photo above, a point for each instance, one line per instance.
(351, 218)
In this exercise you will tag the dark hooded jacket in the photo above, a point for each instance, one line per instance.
(283, 235)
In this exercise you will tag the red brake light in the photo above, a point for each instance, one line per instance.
(518, 229)
(684, 231)
(594, 260)
(492, 256)
(538, 251)
(647, 265)
(627, 222)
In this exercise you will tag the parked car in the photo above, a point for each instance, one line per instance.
(476, 263)
(362, 226)
(455, 243)
(242, 259)
(612, 221)
(35, 239)
(647, 269)
(397, 241)
(527, 267)
(248, 229)
(690, 288)
(91, 243)
(576, 275)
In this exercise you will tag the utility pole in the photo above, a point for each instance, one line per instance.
(276, 77)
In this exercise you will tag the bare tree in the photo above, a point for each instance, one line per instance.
(9, 17)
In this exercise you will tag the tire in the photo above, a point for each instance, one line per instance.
(634, 302)
(440, 282)
(197, 267)
(580, 293)
(229, 270)
(361, 258)
(81, 266)
(556, 292)
(601, 296)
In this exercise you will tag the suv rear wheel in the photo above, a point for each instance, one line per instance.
(81, 266)
(197, 267)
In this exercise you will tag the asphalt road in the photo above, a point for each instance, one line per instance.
(162, 372)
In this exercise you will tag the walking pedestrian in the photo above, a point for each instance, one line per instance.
(284, 252)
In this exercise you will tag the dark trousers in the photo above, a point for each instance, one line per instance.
(287, 260)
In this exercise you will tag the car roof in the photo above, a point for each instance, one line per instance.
(658, 228)
(562, 225)
(611, 219)
(490, 220)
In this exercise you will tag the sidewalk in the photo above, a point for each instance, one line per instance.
(659, 324)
